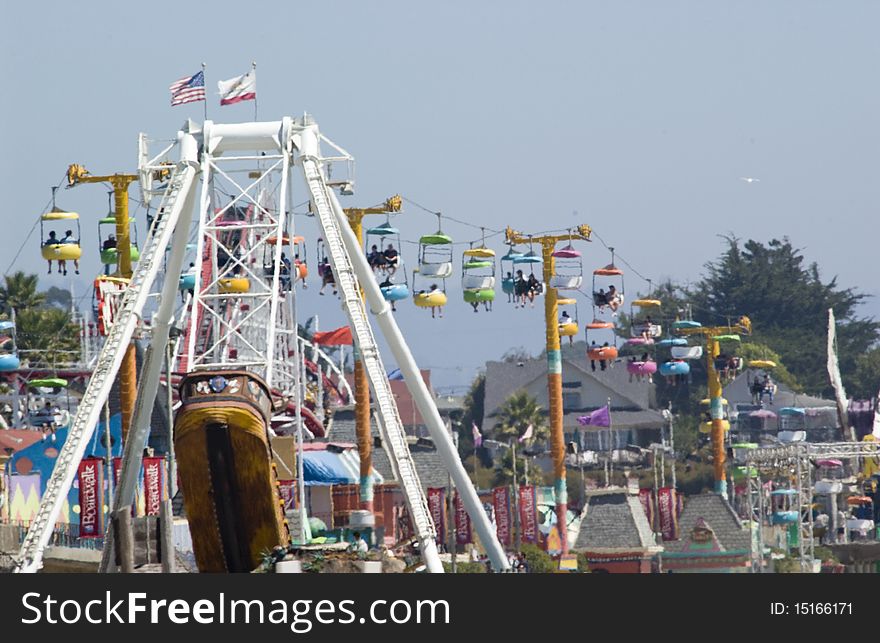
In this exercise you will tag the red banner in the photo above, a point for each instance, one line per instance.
(91, 495)
(340, 336)
(437, 507)
(117, 469)
(647, 499)
(501, 502)
(668, 513)
(154, 488)
(528, 514)
(463, 534)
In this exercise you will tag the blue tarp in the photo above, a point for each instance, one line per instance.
(323, 468)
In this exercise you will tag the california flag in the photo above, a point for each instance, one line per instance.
(238, 89)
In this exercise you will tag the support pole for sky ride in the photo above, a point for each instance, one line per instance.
(120, 182)
(554, 366)
(361, 385)
(716, 406)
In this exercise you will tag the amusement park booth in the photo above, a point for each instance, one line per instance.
(713, 539)
(614, 533)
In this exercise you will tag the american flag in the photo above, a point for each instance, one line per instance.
(188, 90)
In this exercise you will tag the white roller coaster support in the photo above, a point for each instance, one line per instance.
(419, 391)
(108, 363)
(390, 423)
(155, 356)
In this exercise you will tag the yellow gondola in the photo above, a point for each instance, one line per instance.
(55, 249)
(764, 364)
(233, 285)
(430, 298)
(571, 328)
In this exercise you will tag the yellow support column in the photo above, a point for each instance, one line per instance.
(361, 384)
(716, 412)
(554, 392)
(743, 326)
(128, 371)
(362, 394)
(554, 365)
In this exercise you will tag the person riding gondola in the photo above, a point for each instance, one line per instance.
(69, 238)
(375, 258)
(51, 241)
(534, 288)
(326, 273)
(613, 299)
(520, 289)
(566, 319)
(392, 258)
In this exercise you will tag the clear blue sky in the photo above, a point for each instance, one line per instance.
(639, 116)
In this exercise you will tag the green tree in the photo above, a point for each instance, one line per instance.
(513, 419)
(20, 293)
(49, 331)
(538, 560)
(864, 382)
(788, 303)
(58, 297)
(503, 474)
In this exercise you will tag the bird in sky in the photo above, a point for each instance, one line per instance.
(749, 179)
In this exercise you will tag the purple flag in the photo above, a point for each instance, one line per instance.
(599, 417)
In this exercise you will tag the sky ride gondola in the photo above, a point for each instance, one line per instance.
(601, 350)
(435, 256)
(568, 326)
(478, 276)
(55, 248)
(785, 506)
(568, 269)
(389, 260)
(299, 257)
(109, 251)
(674, 367)
(435, 265)
(607, 276)
(9, 360)
(50, 416)
(643, 324)
(507, 281)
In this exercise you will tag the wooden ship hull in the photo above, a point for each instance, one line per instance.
(224, 461)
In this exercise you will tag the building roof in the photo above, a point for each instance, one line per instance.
(630, 408)
(17, 439)
(713, 510)
(613, 520)
(429, 466)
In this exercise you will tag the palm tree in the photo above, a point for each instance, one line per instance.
(20, 293)
(49, 331)
(516, 414)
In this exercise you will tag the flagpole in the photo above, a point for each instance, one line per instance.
(254, 70)
(205, 80)
(611, 442)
